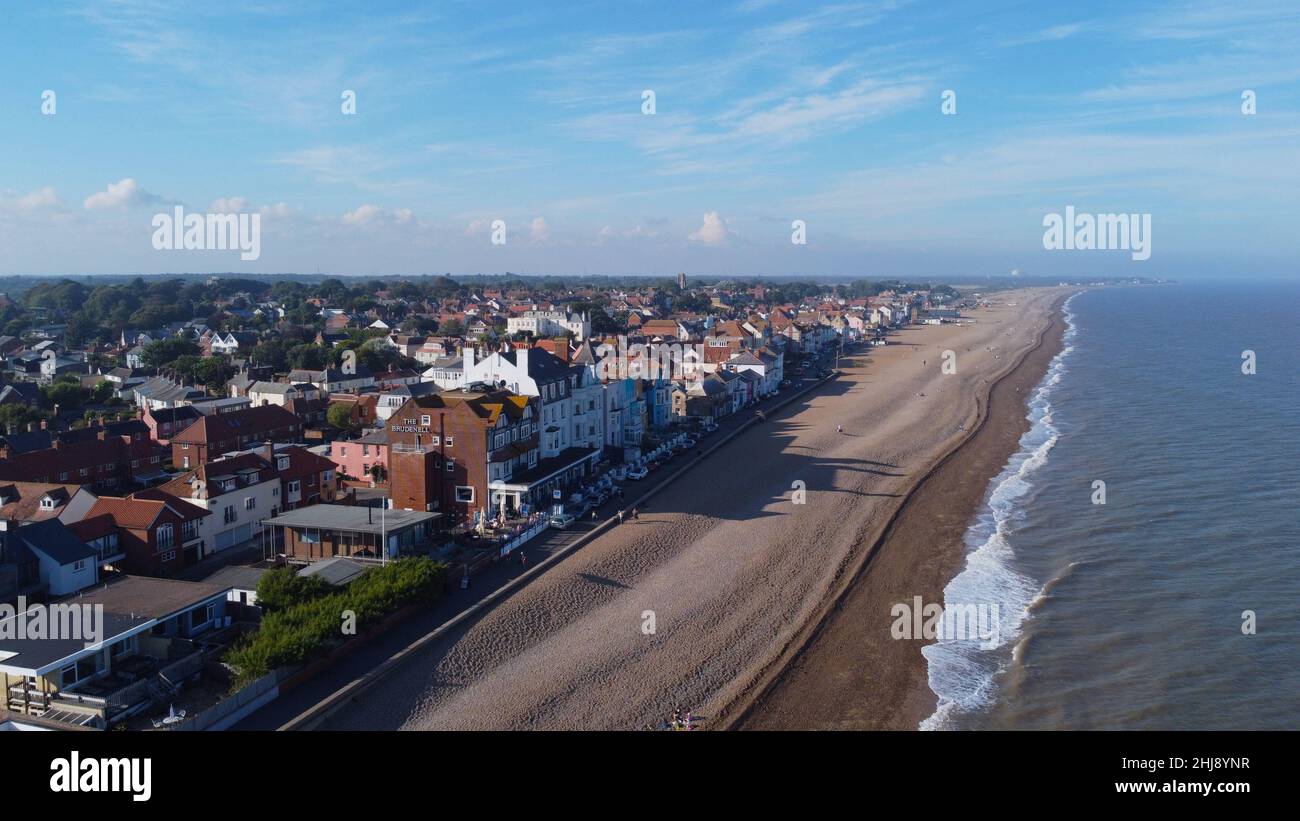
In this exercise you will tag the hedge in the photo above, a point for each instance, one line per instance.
(304, 629)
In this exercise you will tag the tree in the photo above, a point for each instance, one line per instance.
(102, 392)
(339, 415)
(452, 327)
(64, 394)
(165, 351)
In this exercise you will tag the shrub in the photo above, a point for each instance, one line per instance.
(309, 622)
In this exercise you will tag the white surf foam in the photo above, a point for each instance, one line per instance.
(963, 673)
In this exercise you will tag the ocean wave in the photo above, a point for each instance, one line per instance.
(963, 673)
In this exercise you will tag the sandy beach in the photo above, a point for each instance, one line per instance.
(761, 616)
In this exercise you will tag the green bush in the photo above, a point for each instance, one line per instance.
(281, 588)
(311, 624)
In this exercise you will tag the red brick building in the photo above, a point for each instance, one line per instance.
(159, 535)
(105, 462)
(220, 433)
(446, 449)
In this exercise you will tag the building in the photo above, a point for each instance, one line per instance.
(25, 502)
(551, 323)
(105, 462)
(763, 363)
(156, 536)
(44, 559)
(326, 531)
(237, 492)
(146, 646)
(281, 393)
(446, 449)
(358, 458)
(164, 423)
(220, 433)
(330, 380)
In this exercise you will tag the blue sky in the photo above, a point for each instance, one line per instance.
(766, 112)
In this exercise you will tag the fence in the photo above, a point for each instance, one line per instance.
(519, 540)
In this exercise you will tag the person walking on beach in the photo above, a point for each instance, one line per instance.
(635, 515)
(620, 517)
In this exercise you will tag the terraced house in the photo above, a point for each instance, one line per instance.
(220, 433)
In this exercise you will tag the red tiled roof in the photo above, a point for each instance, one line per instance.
(254, 422)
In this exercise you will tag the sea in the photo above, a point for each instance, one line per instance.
(1169, 596)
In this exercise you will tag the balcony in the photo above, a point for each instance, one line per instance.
(137, 682)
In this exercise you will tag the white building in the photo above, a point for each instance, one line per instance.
(551, 323)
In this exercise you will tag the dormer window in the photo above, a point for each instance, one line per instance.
(283, 463)
(47, 503)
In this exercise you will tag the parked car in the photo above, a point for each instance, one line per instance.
(561, 521)
(638, 473)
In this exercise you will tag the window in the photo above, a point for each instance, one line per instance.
(250, 503)
(433, 440)
(451, 465)
(63, 477)
(425, 419)
(465, 494)
(185, 447)
(185, 462)
(164, 538)
(295, 486)
(79, 565)
(169, 556)
(448, 442)
(228, 515)
(47, 503)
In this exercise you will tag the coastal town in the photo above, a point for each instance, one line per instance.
(210, 461)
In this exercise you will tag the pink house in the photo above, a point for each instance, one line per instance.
(354, 458)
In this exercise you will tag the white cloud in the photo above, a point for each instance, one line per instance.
(374, 215)
(228, 205)
(713, 231)
(363, 215)
(36, 200)
(125, 193)
(539, 231)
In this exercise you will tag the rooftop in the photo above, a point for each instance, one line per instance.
(357, 519)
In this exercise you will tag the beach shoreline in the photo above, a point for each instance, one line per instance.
(732, 560)
(844, 670)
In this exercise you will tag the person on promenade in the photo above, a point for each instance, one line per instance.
(839, 428)
(620, 517)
